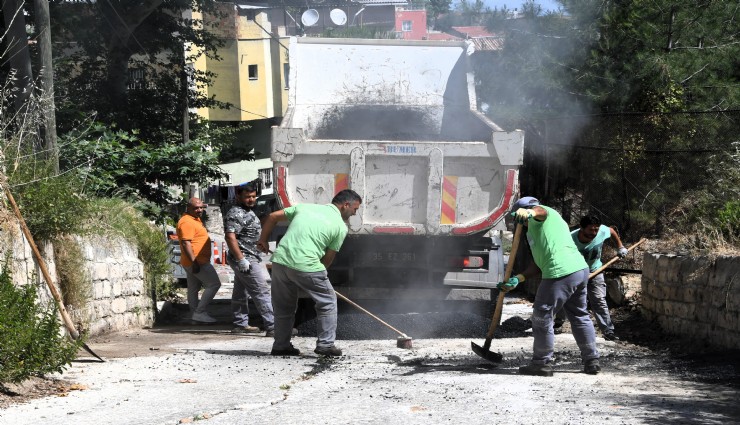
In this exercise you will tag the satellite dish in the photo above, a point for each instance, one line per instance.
(338, 17)
(310, 17)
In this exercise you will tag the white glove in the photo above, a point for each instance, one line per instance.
(622, 252)
(243, 265)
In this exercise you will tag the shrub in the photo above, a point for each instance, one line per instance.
(32, 343)
(50, 205)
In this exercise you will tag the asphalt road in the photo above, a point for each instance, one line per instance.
(186, 373)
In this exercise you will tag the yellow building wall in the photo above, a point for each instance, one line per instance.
(247, 43)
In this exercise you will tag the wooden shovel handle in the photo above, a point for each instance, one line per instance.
(42, 265)
(507, 274)
(613, 260)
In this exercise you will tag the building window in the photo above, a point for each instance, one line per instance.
(252, 72)
(286, 75)
(406, 26)
(136, 79)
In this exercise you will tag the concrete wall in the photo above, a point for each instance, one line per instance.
(118, 296)
(695, 297)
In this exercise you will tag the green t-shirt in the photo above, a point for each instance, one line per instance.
(313, 229)
(552, 247)
(592, 251)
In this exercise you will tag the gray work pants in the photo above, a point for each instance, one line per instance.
(285, 285)
(597, 301)
(208, 279)
(251, 284)
(568, 293)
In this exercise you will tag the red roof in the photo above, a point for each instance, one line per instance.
(474, 31)
(442, 36)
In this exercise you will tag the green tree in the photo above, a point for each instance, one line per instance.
(127, 67)
(436, 8)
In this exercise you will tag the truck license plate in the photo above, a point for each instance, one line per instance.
(379, 258)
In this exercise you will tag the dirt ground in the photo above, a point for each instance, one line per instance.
(639, 339)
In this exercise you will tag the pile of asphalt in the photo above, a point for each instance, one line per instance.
(420, 325)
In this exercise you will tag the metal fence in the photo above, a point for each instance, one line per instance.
(633, 170)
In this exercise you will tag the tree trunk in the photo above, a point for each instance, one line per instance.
(49, 129)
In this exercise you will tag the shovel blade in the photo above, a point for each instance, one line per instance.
(486, 354)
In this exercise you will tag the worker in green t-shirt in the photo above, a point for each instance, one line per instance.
(589, 239)
(564, 275)
(300, 262)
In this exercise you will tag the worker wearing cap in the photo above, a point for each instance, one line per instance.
(564, 275)
(589, 240)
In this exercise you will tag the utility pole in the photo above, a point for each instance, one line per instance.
(49, 128)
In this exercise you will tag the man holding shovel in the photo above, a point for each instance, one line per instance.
(589, 240)
(301, 260)
(564, 279)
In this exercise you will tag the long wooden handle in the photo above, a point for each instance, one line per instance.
(42, 265)
(613, 260)
(507, 274)
(355, 305)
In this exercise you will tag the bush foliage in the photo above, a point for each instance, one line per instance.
(31, 342)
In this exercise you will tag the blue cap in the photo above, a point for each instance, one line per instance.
(525, 202)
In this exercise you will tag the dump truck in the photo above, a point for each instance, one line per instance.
(397, 122)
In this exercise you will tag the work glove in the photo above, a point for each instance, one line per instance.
(511, 283)
(522, 215)
(243, 265)
(622, 252)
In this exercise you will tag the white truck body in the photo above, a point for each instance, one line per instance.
(396, 121)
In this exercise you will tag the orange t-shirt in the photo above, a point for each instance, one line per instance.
(191, 229)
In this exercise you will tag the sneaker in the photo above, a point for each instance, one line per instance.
(592, 367)
(534, 369)
(245, 330)
(610, 336)
(332, 351)
(203, 317)
(292, 351)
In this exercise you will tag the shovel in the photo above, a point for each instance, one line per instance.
(484, 350)
(403, 341)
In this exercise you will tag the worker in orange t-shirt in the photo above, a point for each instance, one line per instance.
(195, 258)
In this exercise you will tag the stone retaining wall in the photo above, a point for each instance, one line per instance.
(118, 295)
(694, 297)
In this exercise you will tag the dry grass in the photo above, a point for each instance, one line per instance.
(74, 279)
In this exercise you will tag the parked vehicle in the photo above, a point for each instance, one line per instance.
(397, 122)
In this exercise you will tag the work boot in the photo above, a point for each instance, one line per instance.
(246, 330)
(535, 369)
(610, 336)
(592, 367)
(292, 351)
(332, 351)
(203, 317)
